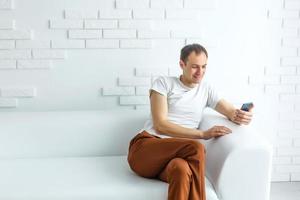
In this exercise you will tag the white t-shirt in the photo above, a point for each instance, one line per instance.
(185, 104)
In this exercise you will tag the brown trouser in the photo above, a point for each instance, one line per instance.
(177, 161)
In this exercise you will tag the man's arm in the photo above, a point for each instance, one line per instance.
(159, 110)
(235, 115)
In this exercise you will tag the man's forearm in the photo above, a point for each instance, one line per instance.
(226, 109)
(168, 128)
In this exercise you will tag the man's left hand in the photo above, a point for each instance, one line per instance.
(242, 117)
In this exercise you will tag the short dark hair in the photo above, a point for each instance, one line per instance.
(188, 49)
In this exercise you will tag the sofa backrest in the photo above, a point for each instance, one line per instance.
(68, 133)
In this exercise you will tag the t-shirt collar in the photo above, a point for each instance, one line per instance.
(184, 86)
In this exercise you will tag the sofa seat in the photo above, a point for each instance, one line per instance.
(79, 178)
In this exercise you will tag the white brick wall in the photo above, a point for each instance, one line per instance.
(271, 89)
(118, 91)
(290, 97)
(282, 160)
(7, 24)
(293, 5)
(119, 33)
(80, 14)
(291, 42)
(287, 14)
(115, 14)
(145, 108)
(289, 32)
(104, 43)
(48, 54)
(289, 133)
(285, 79)
(136, 24)
(121, 46)
(18, 92)
(28, 44)
(130, 81)
(295, 176)
(132, 3)
(283, 142)
(291, 23)
(6, 4)
(134, 100)
(288, 168)
(148, 13)
(166, 4)
(7, 64)
(34, 64)
(99, 24)
(277, 177)
(195, 33)
(148, 72)
(66, 24)
(15, 34)
(291, 151)
(181, 13)
(85, 34)
(139, 90)
(287, 142)
(280, 70)
(296, 160)
(8, 102)
(153, 34)
(7, 44)
(264, 79)
(15, 54)
(133, 44)
(67, 44)
(203, 4)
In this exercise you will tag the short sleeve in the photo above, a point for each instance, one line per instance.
(160, 86)
(213, 97)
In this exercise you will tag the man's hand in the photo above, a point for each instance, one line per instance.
(237, 116)
(241, 117)
(216, 131)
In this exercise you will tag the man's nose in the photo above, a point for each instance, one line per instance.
(199, 71)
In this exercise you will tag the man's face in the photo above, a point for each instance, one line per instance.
(194, 68)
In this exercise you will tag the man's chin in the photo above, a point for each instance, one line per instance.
(196, 81)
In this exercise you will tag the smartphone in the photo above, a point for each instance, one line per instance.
(247, 106)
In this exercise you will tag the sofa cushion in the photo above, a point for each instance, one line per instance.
(68, 133)
(74, 178)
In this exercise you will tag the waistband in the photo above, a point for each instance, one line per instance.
(143, 134)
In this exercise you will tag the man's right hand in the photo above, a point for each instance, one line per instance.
(216, 131)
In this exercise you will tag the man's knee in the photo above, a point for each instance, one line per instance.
(197, 146)
(179, 169)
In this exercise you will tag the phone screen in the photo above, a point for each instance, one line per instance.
(246, 106)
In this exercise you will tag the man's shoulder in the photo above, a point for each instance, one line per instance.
(205, 84)
(208, 87)
(167, 79)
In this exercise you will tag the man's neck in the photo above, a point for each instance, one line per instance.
(186, 83)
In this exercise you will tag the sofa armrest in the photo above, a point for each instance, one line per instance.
(238, 164)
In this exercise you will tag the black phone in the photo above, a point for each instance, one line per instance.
(247, 106)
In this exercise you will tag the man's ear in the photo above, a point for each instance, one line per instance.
(181, 63)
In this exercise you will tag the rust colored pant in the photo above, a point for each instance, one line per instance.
(177, 161)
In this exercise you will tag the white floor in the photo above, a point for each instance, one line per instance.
(285, 191)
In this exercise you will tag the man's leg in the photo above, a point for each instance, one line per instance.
(149, 156)
(179, 176)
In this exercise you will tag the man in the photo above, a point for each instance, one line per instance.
(165, 148)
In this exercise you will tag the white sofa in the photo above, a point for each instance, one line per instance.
(74, 155)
